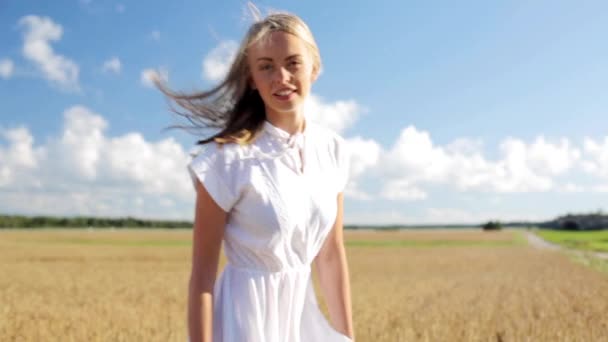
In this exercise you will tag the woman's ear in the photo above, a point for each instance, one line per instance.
(252, 83)
(315, 74)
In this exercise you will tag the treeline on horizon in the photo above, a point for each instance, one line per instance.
(20, 221)
(17, 221)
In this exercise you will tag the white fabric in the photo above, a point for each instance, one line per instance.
(281, 197)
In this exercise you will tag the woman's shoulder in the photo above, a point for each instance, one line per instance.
(326, 136)
(225, 153)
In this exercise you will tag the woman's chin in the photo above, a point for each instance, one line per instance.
(286, 107)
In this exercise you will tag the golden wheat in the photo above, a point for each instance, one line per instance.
(131, 285)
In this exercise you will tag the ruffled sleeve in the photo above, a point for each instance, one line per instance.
(211, 167)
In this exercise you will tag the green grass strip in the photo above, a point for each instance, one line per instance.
(596, 241)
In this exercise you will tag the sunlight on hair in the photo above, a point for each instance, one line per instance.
(254, 12)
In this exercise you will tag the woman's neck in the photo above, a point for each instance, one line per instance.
(291, 123)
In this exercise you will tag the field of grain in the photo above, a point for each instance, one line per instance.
(440, 285)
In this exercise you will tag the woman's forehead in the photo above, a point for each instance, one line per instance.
(277, 43)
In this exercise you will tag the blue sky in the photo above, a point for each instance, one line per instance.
(457, 112)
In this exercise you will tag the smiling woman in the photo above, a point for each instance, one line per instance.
(277, 55)
(269, 186)
(282, 71)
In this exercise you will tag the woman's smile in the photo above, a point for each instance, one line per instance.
(285, 94)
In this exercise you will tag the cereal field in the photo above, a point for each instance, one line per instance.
(440, 285)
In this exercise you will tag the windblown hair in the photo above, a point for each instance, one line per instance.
(233, 107)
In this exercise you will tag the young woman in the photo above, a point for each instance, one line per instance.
(269, 185)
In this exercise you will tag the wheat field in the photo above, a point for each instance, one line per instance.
(439, 285)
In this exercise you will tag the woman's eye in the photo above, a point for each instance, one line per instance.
(265, 67)
(292, 63)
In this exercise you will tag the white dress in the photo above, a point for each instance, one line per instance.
(280, 193)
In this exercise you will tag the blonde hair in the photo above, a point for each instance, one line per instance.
(233, 106)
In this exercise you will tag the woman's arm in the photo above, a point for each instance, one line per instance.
(332, 270)
(208, 232)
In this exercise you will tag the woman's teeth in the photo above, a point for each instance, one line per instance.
(284, 92)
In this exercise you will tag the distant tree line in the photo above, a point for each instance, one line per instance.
(492, 225)
(591, 221)
(15, 221)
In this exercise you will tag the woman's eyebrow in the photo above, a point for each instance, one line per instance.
(286, 58)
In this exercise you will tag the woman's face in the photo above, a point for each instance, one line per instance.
(282, 72)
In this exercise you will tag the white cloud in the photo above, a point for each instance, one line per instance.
(82, 141)
(84, 171)
(364, 155)
(338, 115)
(553, 159)
(600, 188)
(464, 146)
(148, 76)
(415, 155)
(571, 187)
(38, 34)
(21, 152)
(6, 68)
(217, 63)
(19, 155)
(514, 172)
(112, 65)
(402, 189)
(596, 153)
(415, 161)
(155, 35)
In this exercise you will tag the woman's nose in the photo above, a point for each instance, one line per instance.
(282, 75)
